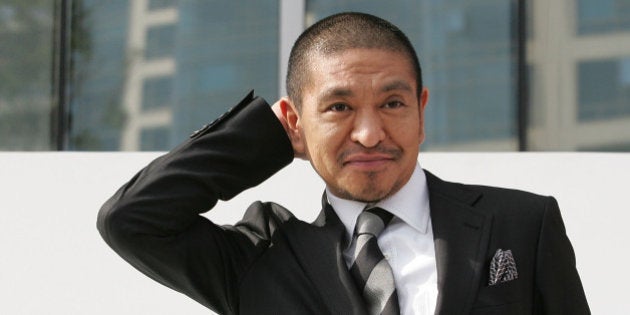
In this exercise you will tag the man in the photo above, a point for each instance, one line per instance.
(355, 110)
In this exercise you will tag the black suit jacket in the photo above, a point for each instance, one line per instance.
(273, 263)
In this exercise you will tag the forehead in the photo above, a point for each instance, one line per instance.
(377, 67)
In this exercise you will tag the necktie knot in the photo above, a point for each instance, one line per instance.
(372, 221)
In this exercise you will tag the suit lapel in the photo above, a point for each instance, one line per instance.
(319, 249)
(461, 235)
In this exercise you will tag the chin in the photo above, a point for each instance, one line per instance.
(365, 187)
(367, 194)
(369, 199)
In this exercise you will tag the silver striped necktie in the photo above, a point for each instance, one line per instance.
(370, 269)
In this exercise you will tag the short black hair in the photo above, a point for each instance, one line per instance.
(340, 32)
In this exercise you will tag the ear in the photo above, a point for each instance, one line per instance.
(292, 117)
(423, 100)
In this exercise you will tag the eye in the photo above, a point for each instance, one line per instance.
(338, 107)
(393, 104)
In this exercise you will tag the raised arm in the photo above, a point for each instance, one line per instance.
(154, 220)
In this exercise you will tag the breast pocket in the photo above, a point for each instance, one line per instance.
(502, 298)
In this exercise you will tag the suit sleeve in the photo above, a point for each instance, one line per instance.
(154, 220)
(559, 287)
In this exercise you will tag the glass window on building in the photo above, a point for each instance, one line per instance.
(154, 139)
(160, 41)
(465, 49)
(99, 68)
(161, 4)
(604, 89)
(157, 92)
(602, 16)
(579, 89)
(26, 63)
(157, 70)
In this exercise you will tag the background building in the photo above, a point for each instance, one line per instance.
(143, 74)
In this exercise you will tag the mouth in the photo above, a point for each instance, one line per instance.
(369, 161)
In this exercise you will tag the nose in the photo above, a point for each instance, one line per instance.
(368, 129)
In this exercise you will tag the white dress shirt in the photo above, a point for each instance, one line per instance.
(406, 243)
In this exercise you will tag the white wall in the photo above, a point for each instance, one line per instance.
(53, 261)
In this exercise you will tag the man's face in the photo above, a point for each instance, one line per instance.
(361, 122)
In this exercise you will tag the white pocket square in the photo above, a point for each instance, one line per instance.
(502, 267)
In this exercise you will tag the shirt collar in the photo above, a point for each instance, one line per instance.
(410, 204)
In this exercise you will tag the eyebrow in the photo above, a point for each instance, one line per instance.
(397, 85)
(335, 92)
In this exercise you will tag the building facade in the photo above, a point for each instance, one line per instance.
(143, 74)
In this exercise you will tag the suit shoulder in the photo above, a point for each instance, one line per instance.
(492, 198)
(514, 209)
(514, 203)
(509, 193)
